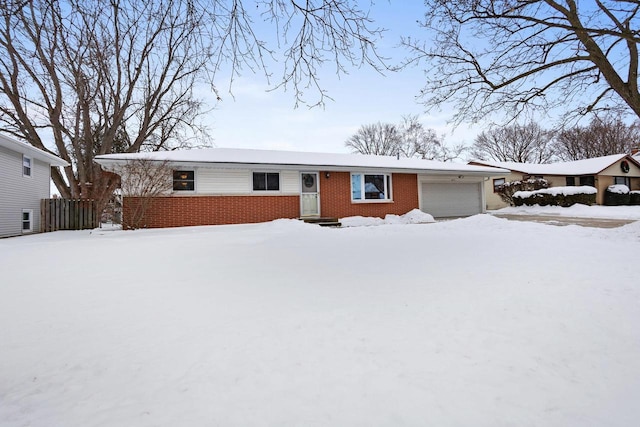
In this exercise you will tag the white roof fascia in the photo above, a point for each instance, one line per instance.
(404, 166)
(29, 150)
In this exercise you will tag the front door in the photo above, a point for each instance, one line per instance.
(309, 197)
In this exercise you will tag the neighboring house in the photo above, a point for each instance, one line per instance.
(599, 172)
(25, 179)
(231, 186)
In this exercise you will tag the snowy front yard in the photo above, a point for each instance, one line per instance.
(472, 322)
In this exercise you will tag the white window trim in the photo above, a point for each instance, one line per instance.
(504, 181)
(30, 212)
(24, 157)
(259, 192)
(387, 191)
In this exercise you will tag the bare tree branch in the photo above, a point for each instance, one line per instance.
(508, 57)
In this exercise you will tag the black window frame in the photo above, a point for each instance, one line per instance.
(266, 181)
(184, 180)
(588, 180)
(626, 179)
(495, 186)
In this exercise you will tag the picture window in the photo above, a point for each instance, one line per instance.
(370, 186)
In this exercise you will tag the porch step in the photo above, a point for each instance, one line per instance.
(322, 221)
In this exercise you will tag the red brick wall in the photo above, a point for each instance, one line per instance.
(335, 196)
(180, 211)
(335, 201)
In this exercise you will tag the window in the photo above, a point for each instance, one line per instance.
(622, 180)
(266, 181)
(183, 180)
(370, 186)
(27, 222)
(26, 166)
(497, 183)
(571, 181)
(589, 180)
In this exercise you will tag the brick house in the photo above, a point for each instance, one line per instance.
(232, 186)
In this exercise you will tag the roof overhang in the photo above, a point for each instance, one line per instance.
(113, 165)
(31, 151)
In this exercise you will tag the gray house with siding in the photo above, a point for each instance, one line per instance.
(25, 176)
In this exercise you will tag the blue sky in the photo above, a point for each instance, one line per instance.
(257, 118)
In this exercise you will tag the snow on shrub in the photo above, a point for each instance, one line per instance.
(617, 195)
(557, 196)
(508, 189)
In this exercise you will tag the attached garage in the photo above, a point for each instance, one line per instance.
(451, 199)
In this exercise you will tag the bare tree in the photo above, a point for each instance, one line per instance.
(513, 56)
(408, 139)
(602, 137)
(424, 143)
(514, 143)
(381, 139)
(142, 181)
(94, 77)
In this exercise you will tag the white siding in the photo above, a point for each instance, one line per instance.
(239, 181)
(18, 192)
(290, 182)
(223, 181)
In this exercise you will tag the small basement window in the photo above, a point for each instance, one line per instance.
(26, 166)
(183, 180)
(27, 220)
(370, 186)
(497, 183)
(266, 181)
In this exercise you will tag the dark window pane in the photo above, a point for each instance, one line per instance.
(622, 180)
(374, 187)
(183, 180)
(183, 175)
(259, 181)
(273, 181)
(571, 181)
(588, 180)
(389, 186)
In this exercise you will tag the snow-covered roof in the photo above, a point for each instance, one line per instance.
(322, 161)
(30, 150)
(578, 167)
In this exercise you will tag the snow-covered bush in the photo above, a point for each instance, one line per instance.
(634, 197)
(508, 189)
(617, 195)
(557, 196)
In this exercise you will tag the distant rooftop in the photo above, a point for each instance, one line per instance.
(578, 167)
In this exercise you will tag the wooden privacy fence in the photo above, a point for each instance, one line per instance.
(68, 214)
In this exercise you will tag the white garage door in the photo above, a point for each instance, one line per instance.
(447, 200)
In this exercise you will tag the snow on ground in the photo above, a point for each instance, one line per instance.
(576, 211)
(472, 322)
(415, 216)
